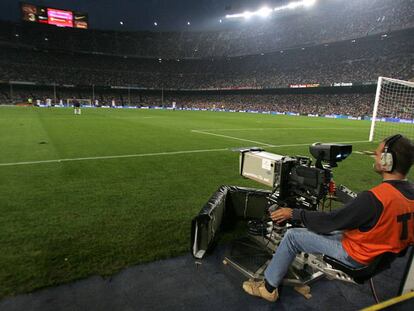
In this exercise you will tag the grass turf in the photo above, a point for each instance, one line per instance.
(62, 221)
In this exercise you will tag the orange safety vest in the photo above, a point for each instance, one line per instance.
(393, 231)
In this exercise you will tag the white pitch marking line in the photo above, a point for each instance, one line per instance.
(366, 153)
(114, 157)
(231, 137)
(156, 154)
(278, 128)
(334, 142)
(269, 145)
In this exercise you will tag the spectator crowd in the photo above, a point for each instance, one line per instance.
(325, 22)
(336, 42)
(346, 61)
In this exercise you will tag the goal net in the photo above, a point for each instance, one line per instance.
(82, 101)
(393, 109)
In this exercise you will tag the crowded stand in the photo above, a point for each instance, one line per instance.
(336, 43)
(345, 104)
(327, 21)
(357, 105)
(347, 61)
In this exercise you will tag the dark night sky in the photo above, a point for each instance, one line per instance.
(140, 15)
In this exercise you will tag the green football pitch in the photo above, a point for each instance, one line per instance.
(94, 193)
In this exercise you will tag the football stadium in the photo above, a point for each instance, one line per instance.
(190, 155)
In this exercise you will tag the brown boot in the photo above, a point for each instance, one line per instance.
(258, 289)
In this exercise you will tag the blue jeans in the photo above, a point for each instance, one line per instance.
(298, 240)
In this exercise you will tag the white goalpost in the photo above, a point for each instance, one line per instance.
(393, 109)
(82, 101)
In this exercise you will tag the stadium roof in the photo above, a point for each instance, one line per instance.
(162, 15)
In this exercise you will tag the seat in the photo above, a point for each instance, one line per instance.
(360, 275)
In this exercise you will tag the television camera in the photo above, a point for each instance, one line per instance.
(295, 182)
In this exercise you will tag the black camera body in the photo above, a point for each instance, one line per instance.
(295, 181)
(331, 153)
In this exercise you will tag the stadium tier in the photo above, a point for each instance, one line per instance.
(328, 21)
(324, 64)
(357, 105)
(367, 39)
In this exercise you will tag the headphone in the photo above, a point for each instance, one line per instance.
(388, 158)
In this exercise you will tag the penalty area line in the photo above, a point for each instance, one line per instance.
(274, 128)
(333, 142)
(262, 144)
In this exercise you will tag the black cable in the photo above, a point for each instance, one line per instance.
(268, 239)
(260, 228)
(323, 203)
(374, 293)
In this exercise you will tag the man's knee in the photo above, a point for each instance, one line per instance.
(291, 238)
(294, 233)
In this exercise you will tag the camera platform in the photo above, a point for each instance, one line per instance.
(251, 255)
(247, 256)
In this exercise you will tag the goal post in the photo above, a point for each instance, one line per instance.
(82, 101)
(393, 111)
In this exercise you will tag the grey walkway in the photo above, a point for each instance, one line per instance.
(178, 284)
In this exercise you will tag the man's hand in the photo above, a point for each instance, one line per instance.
(282, 214)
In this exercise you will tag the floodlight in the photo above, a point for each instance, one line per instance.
(264, 12)
(308, 3)
(155, 24)
(294, 5)
(247, 14)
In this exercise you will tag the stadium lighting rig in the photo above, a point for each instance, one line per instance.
(266, 11)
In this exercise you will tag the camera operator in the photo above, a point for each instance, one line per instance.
(376, 221)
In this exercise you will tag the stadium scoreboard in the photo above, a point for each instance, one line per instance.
(52, 16)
